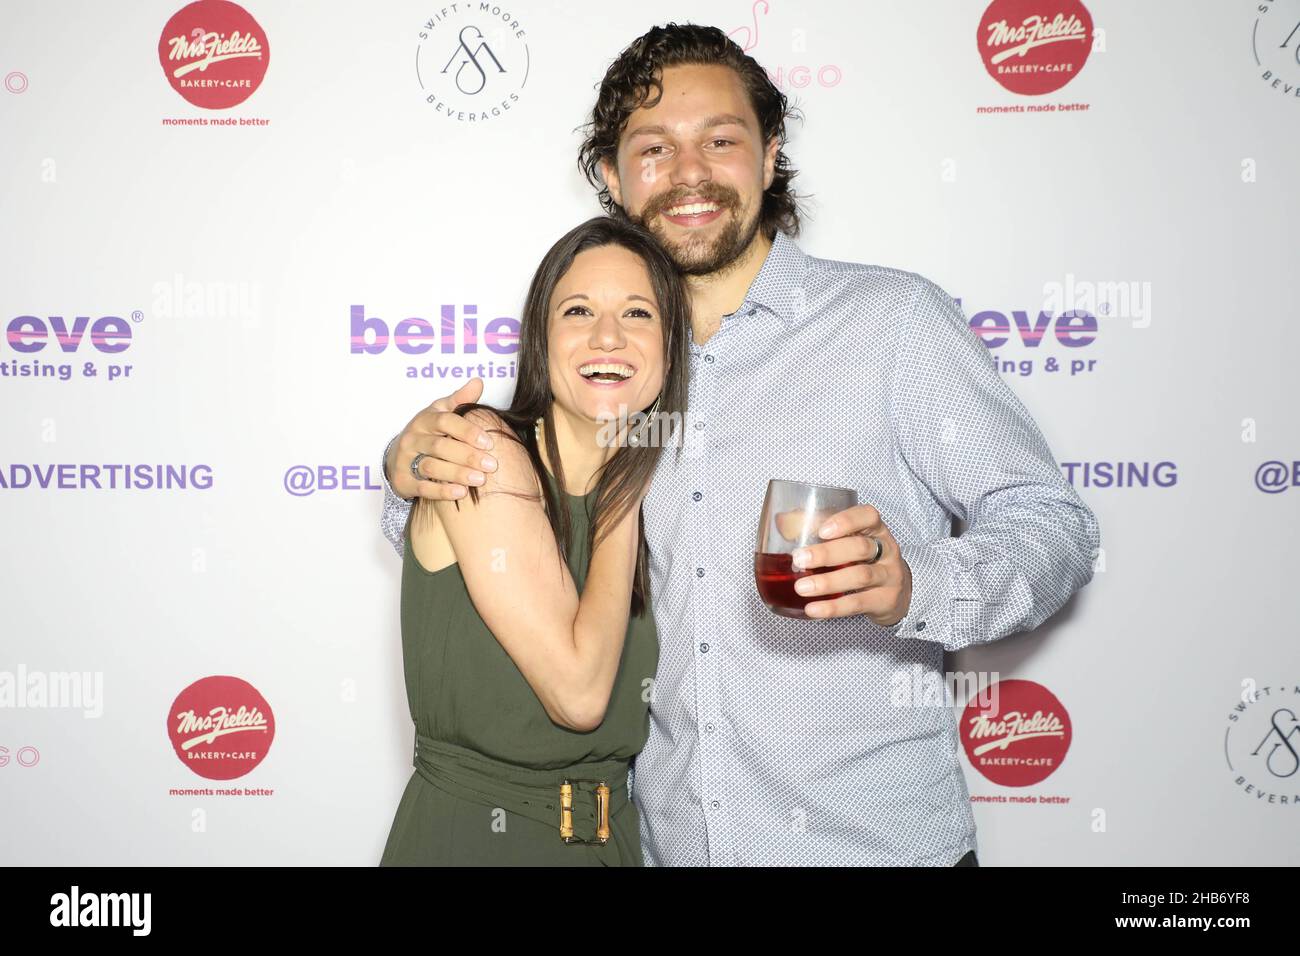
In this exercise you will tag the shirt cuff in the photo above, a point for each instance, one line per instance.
(928, 615)
(383, 470)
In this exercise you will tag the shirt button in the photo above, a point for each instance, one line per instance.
(714, 804)
(699, 572)
(696, 496)
(920, 625)
(699, 426)
(709, 359)
(708, 728)
(704, 648)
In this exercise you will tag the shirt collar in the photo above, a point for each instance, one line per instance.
(779, 285)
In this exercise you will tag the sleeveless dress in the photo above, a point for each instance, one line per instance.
(488, 760)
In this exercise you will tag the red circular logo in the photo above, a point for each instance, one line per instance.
(214, 53)
(1021, 738)
(221, 727)
(1035, 46)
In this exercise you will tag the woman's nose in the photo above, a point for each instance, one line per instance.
(607, 333)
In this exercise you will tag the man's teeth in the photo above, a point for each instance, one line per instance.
(693, 209)
(593, 369)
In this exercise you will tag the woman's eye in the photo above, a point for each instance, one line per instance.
(577, 310)
(639, 313)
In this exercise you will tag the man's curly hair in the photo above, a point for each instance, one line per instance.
(631, 80)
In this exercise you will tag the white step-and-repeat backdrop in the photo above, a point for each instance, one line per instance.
(208, 252)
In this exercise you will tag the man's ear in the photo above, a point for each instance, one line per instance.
(609, 172)
(769, 162)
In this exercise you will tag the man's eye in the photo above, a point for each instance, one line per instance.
(650, 150)
(724, 142)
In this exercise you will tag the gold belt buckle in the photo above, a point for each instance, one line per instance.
(602, 813)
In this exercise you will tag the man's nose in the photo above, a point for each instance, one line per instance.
(689, 167)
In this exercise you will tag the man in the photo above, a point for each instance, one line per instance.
(776, 741)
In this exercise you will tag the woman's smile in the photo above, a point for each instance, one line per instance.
(606, 373)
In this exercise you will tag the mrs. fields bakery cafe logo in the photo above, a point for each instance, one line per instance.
(220, 727)
(1034, 47)
(215, 55)
(1021, 739)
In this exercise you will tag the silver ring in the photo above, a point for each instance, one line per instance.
(880, 549)
(415, 467)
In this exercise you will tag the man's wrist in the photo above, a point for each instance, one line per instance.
(925, 615)
(388, 485)
(387, 449)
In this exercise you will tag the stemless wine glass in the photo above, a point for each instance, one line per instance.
(792, 513)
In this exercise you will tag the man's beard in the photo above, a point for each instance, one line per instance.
(699, 256)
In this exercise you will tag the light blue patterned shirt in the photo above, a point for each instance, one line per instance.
(782, 741)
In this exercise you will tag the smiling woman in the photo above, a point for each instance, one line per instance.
(526, 634)
(607, 345)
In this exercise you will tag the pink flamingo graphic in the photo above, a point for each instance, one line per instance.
(751, 35)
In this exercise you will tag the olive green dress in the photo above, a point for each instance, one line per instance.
(488, 759)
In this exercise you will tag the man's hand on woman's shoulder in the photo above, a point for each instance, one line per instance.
(455, 450)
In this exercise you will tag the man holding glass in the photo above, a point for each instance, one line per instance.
(777, 738)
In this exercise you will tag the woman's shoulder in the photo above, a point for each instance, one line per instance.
(515, 471)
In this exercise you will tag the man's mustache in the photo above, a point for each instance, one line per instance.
(723, 201)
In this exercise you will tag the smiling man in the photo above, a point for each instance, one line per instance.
(773, 740)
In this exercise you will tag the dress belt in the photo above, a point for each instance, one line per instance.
(531, 793)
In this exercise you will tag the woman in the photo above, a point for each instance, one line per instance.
(528, 644)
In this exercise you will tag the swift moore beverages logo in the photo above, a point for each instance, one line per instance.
(1021, 738)
(220, 727)
(63, 347)
(472, 62)
(461, 346)
(1034, 47)
(1261, 743)
(214, 54)
(1275, 42)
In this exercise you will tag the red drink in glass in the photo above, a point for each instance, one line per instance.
(792, 513)
(775, 576)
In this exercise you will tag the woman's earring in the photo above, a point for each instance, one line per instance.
(635, 437)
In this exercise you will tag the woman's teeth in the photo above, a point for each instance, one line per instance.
(606, 371)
